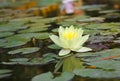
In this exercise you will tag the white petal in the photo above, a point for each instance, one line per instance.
(61, 30)
(80, 31)
(84, 49)
(84, 39)
(55, 39)
(80, 42)
(64, 52)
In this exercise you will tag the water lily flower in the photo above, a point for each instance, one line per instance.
(70, 39)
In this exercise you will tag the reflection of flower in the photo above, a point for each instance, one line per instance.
(70, 38)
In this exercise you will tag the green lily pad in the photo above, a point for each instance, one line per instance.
(112, 31)
(65, 76)
(22, 39)
(42, 25)
(55, 30)
(25, 50)
(100, 55)
(5, 73)
(13, 44)
(2, 41)
(25, 19)
(47, 58)
(116, 41)
(34, 29)
(28, 36)
(103, 59)
(19, 60)
(106, 64)
(46, 20)
(5, 34)
(13, 41)
(11, 27)
(92, 19)
(54, 46)
(97, 73)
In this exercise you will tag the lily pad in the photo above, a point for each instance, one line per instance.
(117, 41)
(13, 44)
(19, 60)
(98, 39)
(5, 73)
(54, 46)
(5, 34)
(11, 27)
(25, 19)
(65, 76)
(34, 29)
(13, 41)
(106, 64)
(101, 55)
(97, 73)
(25, 50)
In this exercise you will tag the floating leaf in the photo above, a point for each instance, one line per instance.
(5, 73)
(101, 55)
(65, 76)
(13, 44)
(25, 50)
(5, 34)
(25, 19)
(43, 77)
(54, 46)
(21, 39)
(106, 64)
(11, 27)
(97, 73)
(28, 36)
(116, 41)
(33, 29)
(19, 60)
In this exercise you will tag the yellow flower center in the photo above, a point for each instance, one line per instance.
(69, 35)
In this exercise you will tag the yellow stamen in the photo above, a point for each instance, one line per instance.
(70, 35)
